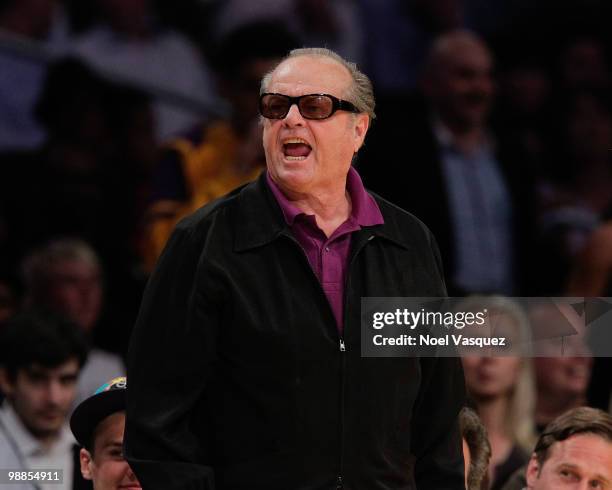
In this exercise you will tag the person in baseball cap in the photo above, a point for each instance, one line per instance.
(98, 424)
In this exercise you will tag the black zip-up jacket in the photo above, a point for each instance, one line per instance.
(239, 379)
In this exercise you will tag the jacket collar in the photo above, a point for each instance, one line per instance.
(259, 219)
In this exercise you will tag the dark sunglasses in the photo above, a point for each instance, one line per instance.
(311, 106)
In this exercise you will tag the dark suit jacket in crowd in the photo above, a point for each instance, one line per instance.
(402, 162)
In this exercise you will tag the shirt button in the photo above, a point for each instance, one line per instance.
(327, 249)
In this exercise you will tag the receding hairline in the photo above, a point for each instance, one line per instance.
(445, 46)
(316, 56)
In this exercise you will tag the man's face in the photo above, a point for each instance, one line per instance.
(42, 396)
(322, 149)
(565, 378)
(583, 461)
(75, 290)
(106, 466)
(463, 86)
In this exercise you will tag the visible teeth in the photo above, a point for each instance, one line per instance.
(287, 157)
(295, 140)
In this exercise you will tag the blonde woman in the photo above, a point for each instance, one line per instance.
(502, 389)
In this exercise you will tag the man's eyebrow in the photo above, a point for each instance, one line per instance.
(37, 370)
(113, 444)
(572, 466)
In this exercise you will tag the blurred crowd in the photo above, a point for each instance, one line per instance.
(494, 126)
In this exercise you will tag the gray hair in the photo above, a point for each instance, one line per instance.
(360, 93)
(446, 47)
(35, 267)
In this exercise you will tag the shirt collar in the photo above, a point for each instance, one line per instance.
(364, 209)
(444, 137)
(442, 134)
(25, 441)
(27, 444)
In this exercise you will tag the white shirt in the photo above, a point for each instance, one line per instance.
(20, 450)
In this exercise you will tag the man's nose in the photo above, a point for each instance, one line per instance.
(293, 117)
(131, 476)
(54, 392)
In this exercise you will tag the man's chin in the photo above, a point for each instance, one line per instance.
(45, 432)
(46, 427)
(294, 177)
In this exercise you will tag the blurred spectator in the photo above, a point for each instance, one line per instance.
(579, 194)
(24, 26)
(65, 276)
(442, 163)
(218, 157)
(561, 382)
(335, 25)
(574, 451)
(503, 391)
(131, 46)
(98, 424)
(40, 359)
(476, 450)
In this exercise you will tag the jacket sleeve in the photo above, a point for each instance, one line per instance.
(436, 440)
(171, 354)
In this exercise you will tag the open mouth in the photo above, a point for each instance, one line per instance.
(296, 149)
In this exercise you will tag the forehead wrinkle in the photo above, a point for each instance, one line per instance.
(314, 78)
(566, 453)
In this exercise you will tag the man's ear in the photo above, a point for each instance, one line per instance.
(533, 471)
(5, 384)
(362, 123)
(86, 464)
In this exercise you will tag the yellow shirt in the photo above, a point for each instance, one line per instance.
(210, 170)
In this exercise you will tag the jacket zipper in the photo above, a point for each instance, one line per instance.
(339, 481)
(342, 345)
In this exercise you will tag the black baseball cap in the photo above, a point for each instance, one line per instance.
(107, 399)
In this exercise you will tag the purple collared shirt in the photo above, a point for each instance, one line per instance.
(328, 257)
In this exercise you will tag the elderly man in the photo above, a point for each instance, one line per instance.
(245, 363)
